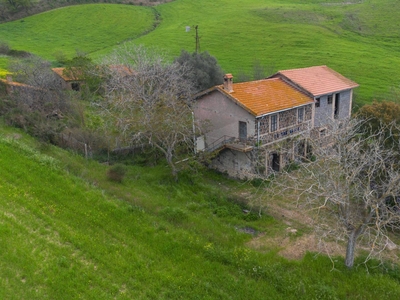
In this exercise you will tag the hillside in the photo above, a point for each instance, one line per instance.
(84, 28)
(18, 9)
(66, 230)
(356, 38)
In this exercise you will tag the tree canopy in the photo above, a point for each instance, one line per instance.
(384, 117)
(205, 71)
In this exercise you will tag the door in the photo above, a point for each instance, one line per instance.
(242, 131)
(336, 108)
(275, 162)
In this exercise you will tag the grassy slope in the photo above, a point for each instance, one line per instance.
(85, 28)
(3, 66)
(147, 238)
(358, 40)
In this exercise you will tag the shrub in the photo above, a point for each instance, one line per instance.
(116, 173)
(292, 166)
(4, 48)
(206, 72)
(174, 215)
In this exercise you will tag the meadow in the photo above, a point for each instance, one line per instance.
(82, 28)
(66, 231)
(356, 38)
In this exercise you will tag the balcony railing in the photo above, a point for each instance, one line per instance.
(284, 133)
(219, 143)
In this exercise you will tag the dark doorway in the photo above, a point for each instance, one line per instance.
(242, 131)
(275, 162)
(75, 86)
(301, 148)
(336, 109)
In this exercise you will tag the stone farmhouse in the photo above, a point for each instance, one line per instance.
(68, 79)
(74, 79)
(260, 126)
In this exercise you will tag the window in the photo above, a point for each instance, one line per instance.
(317, 102)
(300, 115)
(274, 123)
(330, 98)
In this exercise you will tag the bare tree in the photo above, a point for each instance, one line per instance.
(148, 100)
(36, 102)
(42, 92)
(353, 187)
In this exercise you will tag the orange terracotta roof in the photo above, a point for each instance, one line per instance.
(265, 96)
(122, 70)
(318, 80)
(66, 75)
(13, 83)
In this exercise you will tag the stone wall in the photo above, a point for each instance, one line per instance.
(288, 125)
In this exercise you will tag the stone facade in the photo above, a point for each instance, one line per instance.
(288, 123)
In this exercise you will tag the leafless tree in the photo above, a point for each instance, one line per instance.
(352, 187)
(42, 90)
(148, 100)
(36, 102)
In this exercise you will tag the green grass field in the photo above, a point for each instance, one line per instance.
(85, 28)
(357, 39)
(67, 232)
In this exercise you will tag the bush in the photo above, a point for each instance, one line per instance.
(116, 173)
(4, 48)
(292, 166)
(206, 72)
(174, 215)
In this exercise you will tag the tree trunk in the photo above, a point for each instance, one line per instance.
(351, 245)
(171, 164)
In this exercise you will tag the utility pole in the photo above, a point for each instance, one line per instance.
(197, 39)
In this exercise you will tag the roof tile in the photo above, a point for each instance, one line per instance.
(267, 96)
(318, 80)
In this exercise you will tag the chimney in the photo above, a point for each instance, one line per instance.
(228, 83)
